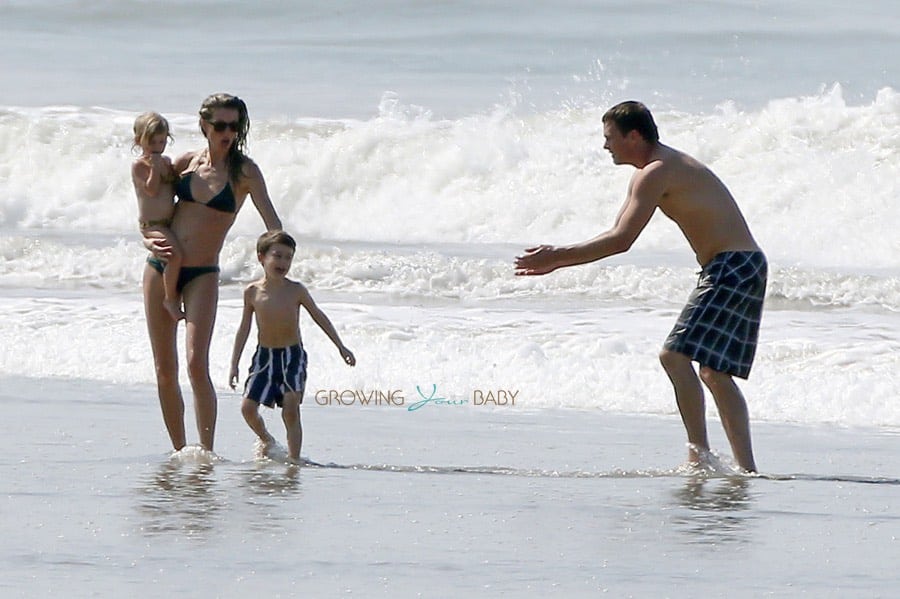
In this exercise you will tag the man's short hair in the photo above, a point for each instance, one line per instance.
(270, 238)
(633, 116)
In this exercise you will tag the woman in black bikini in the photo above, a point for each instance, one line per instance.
(213, 184)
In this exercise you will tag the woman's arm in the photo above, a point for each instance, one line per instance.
(240, 337)
(182, 163)
(160, 247)
(256, 187)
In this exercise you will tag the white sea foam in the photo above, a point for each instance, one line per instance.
(442, 272)
(408, 226)
(838, 367)
(815, 176)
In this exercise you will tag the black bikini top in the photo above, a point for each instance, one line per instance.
(223, 201)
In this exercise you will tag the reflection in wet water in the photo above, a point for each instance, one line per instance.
(194, 495)
(269, 480)
(181, 495)
(714, 510)
(272, 494)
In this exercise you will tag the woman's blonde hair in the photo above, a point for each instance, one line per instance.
(236, 155)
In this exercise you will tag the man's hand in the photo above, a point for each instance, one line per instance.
(538, 260)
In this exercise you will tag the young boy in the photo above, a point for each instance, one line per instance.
(154, 178)
(278, 371)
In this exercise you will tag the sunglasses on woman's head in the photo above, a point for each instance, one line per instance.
(219, 126)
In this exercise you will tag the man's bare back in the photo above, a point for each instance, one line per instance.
(699, 203)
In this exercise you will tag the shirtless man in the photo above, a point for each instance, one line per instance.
(718, 327)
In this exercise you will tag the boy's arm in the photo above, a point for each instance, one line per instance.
(320, 319)
(240, 337)
(142, 175)
(148, 173)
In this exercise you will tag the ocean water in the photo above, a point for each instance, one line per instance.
(414, 149)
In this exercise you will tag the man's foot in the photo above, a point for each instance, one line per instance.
(174, 309)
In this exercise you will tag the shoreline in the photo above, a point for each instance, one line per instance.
(502, 431)
(493, 502)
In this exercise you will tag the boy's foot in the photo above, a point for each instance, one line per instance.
(265, 446)
(174, 309)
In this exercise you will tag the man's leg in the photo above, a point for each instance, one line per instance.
(734, 415)
(689, 397)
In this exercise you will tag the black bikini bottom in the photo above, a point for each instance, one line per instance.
(185, 275)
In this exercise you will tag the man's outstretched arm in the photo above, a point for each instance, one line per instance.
(642, 200)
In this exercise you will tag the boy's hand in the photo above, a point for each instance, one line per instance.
(347, 355)
(233, 377)
(157, 161)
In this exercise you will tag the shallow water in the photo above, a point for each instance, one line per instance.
(414, 149)
(435, 502)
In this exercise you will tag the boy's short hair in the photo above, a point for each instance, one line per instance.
(270, 238)
(633, 116)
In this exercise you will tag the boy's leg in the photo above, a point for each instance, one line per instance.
(290, 413)
(689, 397)
(733, 412)
(250, 411)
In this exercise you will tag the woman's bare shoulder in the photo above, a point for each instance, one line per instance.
(249, 169)
(184, 160)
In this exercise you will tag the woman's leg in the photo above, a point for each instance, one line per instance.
(161, 329)
(201, 298)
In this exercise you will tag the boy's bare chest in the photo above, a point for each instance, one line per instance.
(281, 302)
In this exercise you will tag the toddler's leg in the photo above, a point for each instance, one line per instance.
(172, 301)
